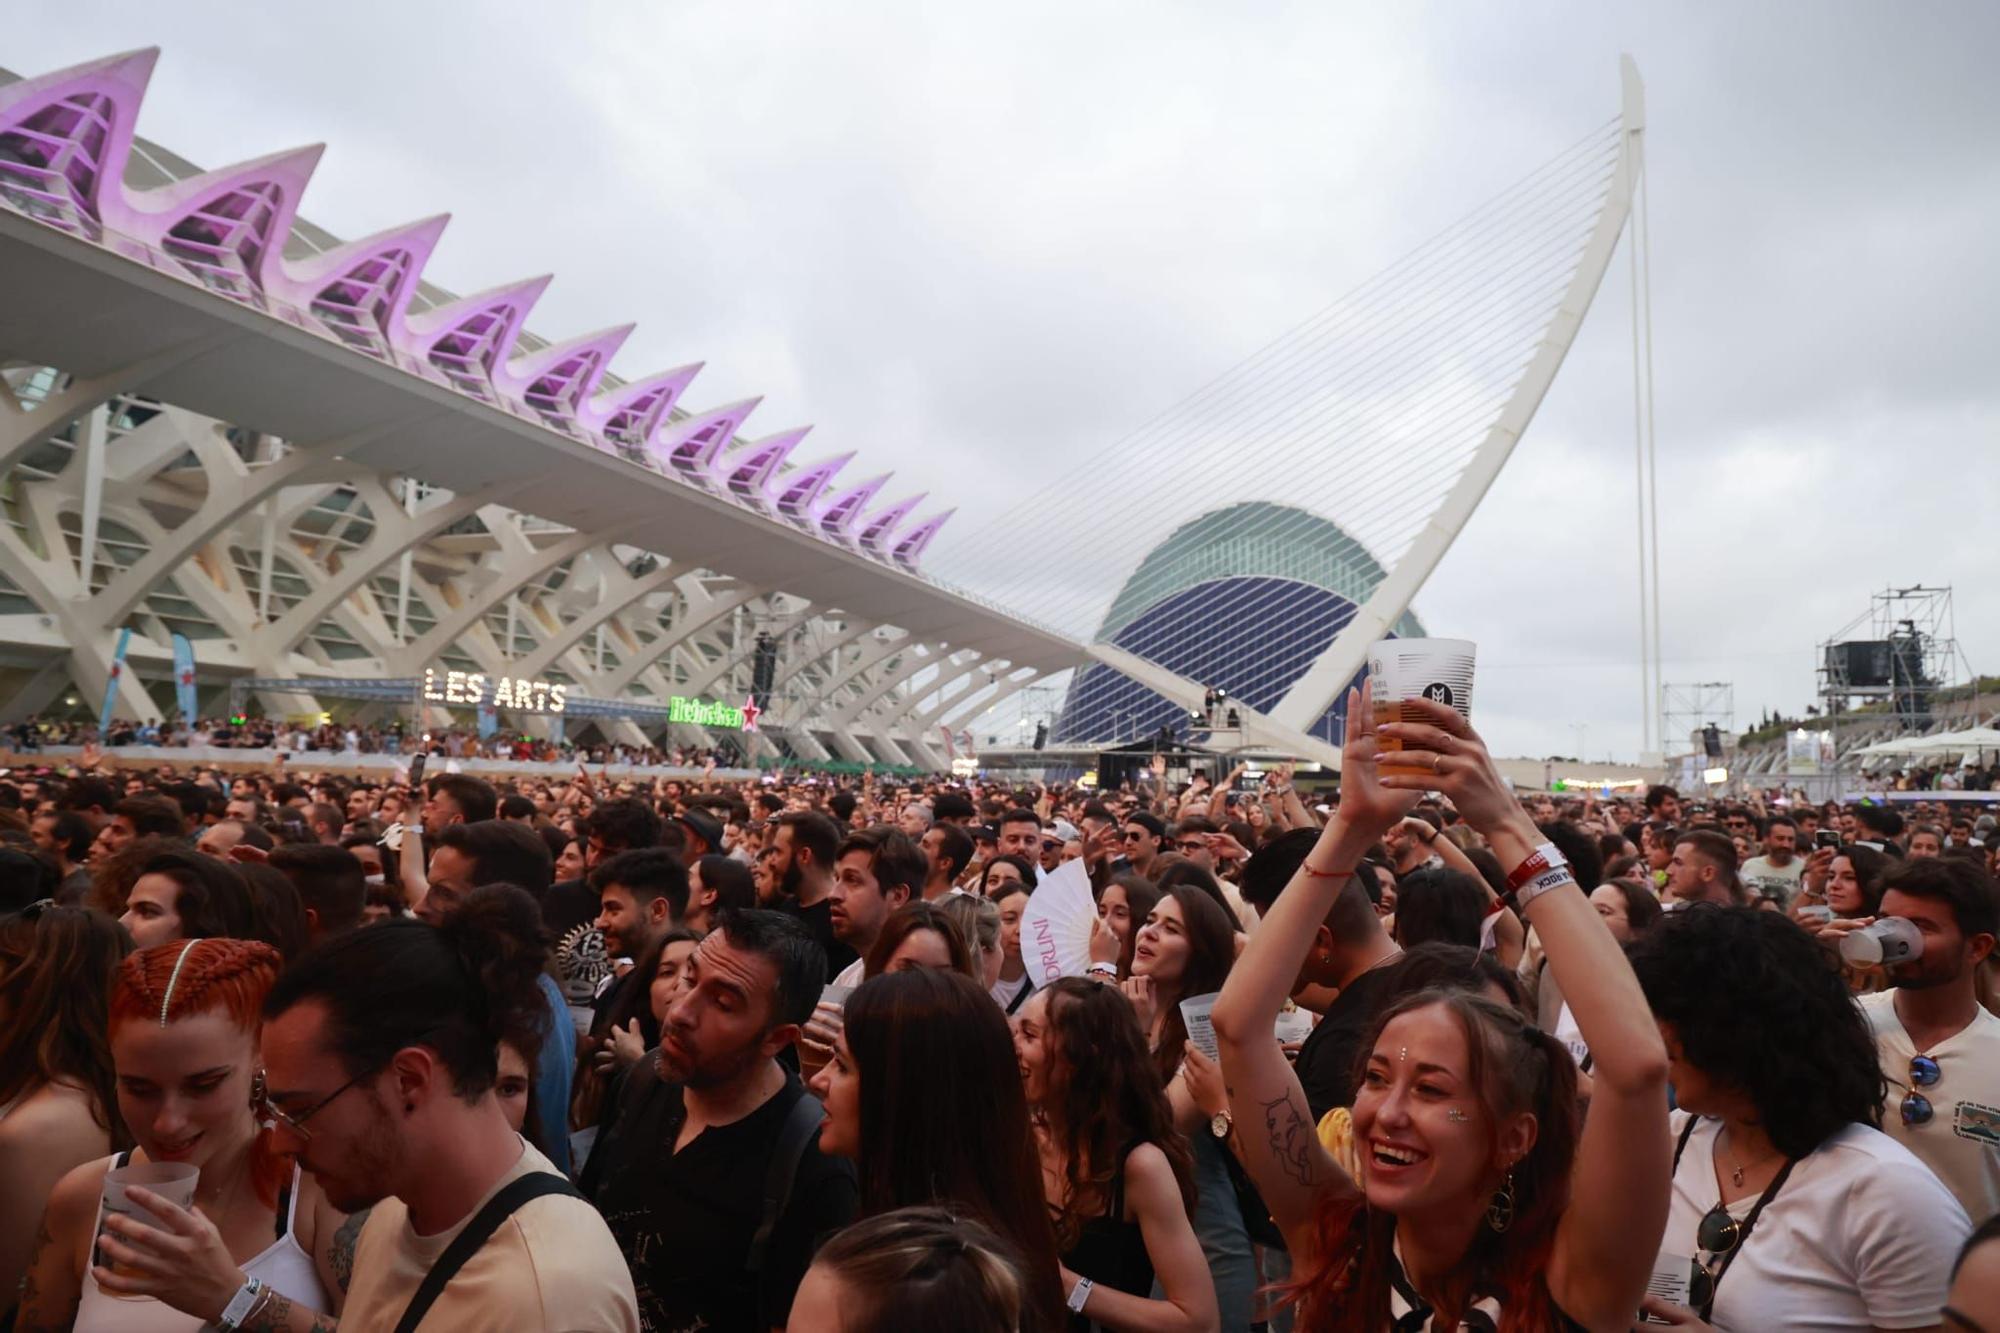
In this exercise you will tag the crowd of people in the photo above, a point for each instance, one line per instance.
(34, 734)
(296, 1050)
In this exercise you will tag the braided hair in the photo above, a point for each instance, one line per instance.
(187, 978)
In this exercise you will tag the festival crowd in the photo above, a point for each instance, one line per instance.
(287, 1050)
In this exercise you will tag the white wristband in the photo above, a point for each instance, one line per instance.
(240, 1304)
(1079, 1294)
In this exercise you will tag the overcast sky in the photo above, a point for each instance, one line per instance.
(979, 242)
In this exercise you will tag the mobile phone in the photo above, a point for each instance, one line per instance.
(1230, 800)
(417, 769)
(1826, 837)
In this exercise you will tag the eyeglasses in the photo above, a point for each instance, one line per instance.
(1133, 835)
(1924, 1073)
(1194, 845)
(297, 1123)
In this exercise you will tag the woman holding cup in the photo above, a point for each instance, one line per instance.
(1478, 1193)
(203, 1224)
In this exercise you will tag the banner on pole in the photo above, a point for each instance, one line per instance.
(111, 685)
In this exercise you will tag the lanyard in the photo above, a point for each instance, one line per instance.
(1749, 1223)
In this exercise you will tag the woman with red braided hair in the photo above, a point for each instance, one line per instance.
(261, 1248)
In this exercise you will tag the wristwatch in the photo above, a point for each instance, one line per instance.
(1220, 1125)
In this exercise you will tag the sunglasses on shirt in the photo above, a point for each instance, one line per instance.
(1924, 1073)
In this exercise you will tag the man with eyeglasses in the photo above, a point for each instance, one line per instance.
(380, 1051)
(1940, 1048)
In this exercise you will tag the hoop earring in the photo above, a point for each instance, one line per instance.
(1500, 1212)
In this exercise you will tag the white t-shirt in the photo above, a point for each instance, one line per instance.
(1004, 990)
(553, 1265)
(1962, 1141)
(850, 976)
(1773, 881)
(1861, 1236)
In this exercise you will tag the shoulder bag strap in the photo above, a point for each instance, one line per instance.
(801, 1123)
(477, 1232)
(1687, 1132)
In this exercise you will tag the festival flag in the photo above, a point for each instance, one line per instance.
(184, 677)
(111, 685)
(950, 747)
(489, 721)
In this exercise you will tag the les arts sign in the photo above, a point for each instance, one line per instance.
(479, 690)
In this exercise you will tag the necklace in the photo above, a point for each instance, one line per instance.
(1737, 1169)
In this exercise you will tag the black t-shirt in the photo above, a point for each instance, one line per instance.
(818, 921)
(685, 1219)
(1326, 1061)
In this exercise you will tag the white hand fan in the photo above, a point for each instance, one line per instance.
(1056, 924)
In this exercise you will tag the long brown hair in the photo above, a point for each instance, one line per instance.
(943, 1116)
(56, 965)
(1514, 1067)
(1105, 1097)
(1211, 951)
(1141, 895)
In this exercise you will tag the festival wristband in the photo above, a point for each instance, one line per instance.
(1079, 1294)
(1545, 857)
(240, 1305)
(1547, 881)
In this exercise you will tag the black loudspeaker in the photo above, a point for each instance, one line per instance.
(1862, 663)
(1041, 734)
(1711, 741)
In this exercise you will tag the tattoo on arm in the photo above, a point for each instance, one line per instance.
(29, 1311)
(341, 1252)
(1291, 1139)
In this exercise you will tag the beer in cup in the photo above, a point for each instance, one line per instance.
(1885, 943)
(172, 1181)
(1403, 669)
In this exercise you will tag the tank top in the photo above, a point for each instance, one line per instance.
(1111, 1250)
(281, 1265)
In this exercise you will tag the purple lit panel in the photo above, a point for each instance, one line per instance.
(627, 416)
(226, 227)
(749, 468)
(910, 546)
(691, 447)
(838, 518)
(554, 382)
(469, 339)
(875, 532)
(64, 135)
(797, 493)
(359, 291)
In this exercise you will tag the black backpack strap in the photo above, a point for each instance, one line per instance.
(477, 1232)
(1687, 1132)
(802, 1122)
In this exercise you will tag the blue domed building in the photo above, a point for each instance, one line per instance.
(1243, 598)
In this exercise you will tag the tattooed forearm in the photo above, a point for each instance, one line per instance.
(29, 1315)
(1291, 1139)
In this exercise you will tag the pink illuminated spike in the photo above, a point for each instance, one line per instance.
(875, 532)
(554, 382)
(691, 447)
(468, 340)
(226, 227)
(797, 493)
(360, 290)
(910, 546)
(627, 416)
(838, 518)
(749, 468)
(64, 138)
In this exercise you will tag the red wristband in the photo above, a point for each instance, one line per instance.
(1545, 857)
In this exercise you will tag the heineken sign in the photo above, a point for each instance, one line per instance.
(702, 713)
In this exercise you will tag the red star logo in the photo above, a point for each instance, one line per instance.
(750, 712)
(187, 677)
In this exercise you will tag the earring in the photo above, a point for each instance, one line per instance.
(1500, 1212)
(259, 1089)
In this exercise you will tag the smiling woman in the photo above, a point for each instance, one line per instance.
(183, 1030)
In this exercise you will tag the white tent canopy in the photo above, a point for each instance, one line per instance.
(1947, 742)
